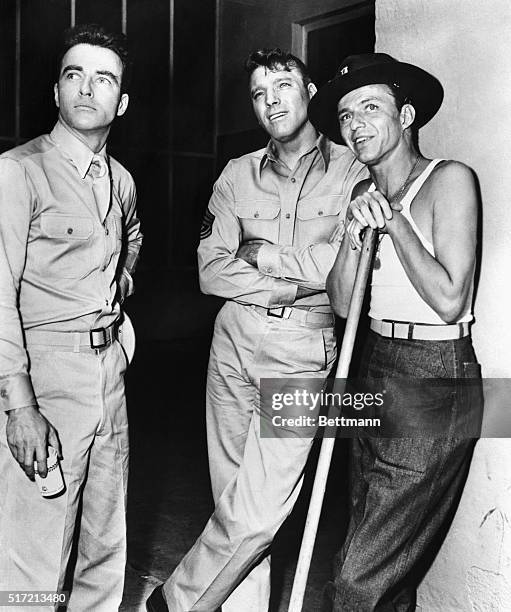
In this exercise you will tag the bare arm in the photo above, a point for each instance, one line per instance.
(340, 280)
(443, 281)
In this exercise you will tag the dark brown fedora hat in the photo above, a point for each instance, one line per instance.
(422, 89)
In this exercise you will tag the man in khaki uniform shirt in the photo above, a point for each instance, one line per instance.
(69, 240)
(265, 248)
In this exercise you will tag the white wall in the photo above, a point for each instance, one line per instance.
(467, 45)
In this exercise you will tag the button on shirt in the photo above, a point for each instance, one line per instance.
(61, 259)
(296, 211)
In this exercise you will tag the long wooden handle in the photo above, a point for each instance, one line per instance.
(327, 444)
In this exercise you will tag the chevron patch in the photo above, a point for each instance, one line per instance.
(207, 225)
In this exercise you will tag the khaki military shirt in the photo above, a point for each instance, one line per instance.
(296, 211)
(60, 262)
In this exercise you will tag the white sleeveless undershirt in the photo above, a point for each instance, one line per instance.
(392, 294)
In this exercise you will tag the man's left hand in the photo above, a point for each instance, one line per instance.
(249, 250)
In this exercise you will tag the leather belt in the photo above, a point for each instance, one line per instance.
(309, 318)
(93, 340)
(405, 330)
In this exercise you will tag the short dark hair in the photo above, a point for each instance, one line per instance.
(401, 98)
(97, 35)
(276, 59)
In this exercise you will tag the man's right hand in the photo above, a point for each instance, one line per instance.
(28, 437)
(373, 209)
(249, 250)
(369, 209)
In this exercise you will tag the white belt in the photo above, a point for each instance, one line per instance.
(419, 331)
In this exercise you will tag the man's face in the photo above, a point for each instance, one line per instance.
(88, 93)
(280, 100)
(370, 122)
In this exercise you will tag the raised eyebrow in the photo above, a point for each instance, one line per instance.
(107, 73)
(71, 67)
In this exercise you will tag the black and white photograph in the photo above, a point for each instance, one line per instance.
(254, 341)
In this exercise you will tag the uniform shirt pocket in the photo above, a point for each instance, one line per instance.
(65, 244)
(259, 219)
(66, 227)
(318, 217)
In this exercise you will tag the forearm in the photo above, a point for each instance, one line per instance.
(341, 278)
(306, 266)
(126, 269)
(232, 278)
(132, 255)
(249, 252)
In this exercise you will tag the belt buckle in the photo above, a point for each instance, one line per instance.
(98, 330)
(392, 327)
(271, 312)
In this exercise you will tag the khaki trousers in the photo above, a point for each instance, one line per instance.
(255, 480)
(82, 395)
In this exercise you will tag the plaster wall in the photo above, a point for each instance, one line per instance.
(466, 44)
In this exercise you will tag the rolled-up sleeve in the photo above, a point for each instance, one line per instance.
(221, 273)
(15, 211)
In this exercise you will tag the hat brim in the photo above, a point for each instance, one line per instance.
(424, 90)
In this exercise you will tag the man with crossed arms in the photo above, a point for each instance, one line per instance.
(265, 248)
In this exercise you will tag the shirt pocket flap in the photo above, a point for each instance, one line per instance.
(257, 210)
(66, 226)
(319, 207)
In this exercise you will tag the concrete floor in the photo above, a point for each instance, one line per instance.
(169, 493)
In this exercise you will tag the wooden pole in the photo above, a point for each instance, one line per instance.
(327, 444)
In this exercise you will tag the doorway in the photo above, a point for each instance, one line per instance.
(323, 42)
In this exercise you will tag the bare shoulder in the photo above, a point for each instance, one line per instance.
(453, 191)
(450, 174)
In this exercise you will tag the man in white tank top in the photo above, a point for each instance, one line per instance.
(405, 488)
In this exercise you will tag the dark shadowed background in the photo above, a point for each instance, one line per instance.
(189, 113)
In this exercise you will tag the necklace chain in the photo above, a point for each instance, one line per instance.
(399, 193)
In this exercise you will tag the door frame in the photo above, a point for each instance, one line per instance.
(300, 29)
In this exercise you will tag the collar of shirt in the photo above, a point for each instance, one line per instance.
(74, 149)
(322, 145)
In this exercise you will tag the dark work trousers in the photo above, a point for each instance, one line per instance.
(405, 490)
